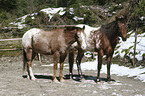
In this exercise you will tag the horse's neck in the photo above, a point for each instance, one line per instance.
(69, 38)
(112, 33)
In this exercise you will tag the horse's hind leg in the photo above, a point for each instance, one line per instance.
(71, 62)
(62, 58)
(30, 57)
(78, 61)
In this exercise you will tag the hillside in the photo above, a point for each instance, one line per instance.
(62, 12)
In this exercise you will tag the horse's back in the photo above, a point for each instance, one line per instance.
(44, 42)
(27, 37)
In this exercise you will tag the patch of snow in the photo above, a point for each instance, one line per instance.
(138, 72)
(22, 20)
(115, 94)
(141, 18)
(52, 11)
(78, 18)
(47, 65)
(33, 18)
(94, 92)
(138, 95)
(71, 10)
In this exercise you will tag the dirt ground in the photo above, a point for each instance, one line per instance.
(12, 83)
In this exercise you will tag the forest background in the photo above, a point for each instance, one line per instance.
(10, 10)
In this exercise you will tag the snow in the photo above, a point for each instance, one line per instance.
(52, 11)
(78, 18)
(140, 47)
(138, 72)
(142, 18)
(22, 20)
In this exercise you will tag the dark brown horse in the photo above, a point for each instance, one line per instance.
(56, 42)
(103, 41)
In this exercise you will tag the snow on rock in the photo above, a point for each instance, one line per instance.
(52, 11)
(22, 20)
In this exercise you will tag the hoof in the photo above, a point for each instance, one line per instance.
(55, 80)
(70, 76)
(62, 80)
(110, 82)
(33, 79)
(82, 79)
(98, 80)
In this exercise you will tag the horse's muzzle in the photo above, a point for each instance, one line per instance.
(124, 38)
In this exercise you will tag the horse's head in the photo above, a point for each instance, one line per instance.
(81, 40)
(122, 27)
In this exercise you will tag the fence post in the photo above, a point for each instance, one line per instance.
(135, 46)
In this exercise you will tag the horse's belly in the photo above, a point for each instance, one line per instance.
(42, 48)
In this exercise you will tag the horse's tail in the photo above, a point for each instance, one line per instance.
(24, 60)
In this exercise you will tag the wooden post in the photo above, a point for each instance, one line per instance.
(135, 47)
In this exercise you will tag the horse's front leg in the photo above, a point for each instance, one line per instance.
(108, 68)
(100, 57)
(62, 58)
(55, 61)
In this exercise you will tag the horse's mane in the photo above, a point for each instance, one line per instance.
(110, 29)
(70, 33)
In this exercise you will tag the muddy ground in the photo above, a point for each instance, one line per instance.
(12, 83)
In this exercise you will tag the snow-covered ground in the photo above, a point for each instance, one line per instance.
(138, 72)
